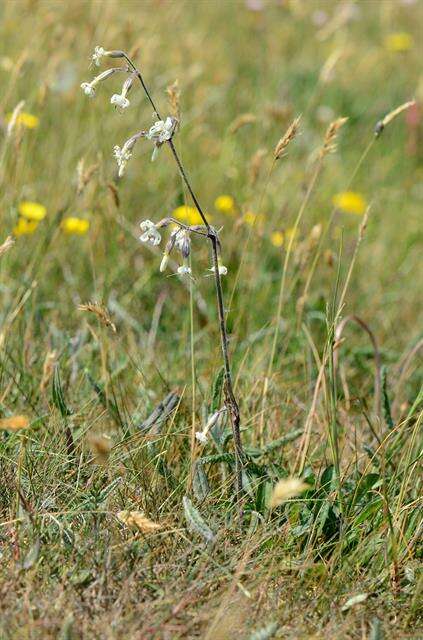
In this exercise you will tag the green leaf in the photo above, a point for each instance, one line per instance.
(32, 555)
(200, 483)
(195, 520)
(58, 395)
(229, 458)
(280, 442)
(216, 399)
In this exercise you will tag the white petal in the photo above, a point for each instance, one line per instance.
(201, 437)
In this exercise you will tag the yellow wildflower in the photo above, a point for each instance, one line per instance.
(225, 204)
(187, 214)
(32, 211)
(78, 226)
(253, 219)
(399, 42)
(278, 238)
(25, 227)
(350, 202)
(27, 120)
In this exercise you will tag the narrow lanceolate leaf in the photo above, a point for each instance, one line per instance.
(217, 391)
(288, 437)
(32, 555)
(195, 520)
(58, 395)
(351, 602)
(200, 483)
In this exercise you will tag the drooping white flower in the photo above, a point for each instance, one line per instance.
(184, 269)
(221, 268)
(183, 242)
(88, 89)
(202, 436)
(122, 156)
(99, 52)
(161, 132)
(150, 233)
(119, 101)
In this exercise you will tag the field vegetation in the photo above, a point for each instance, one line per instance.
(299, 125)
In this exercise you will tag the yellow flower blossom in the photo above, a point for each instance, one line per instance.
(253, 219)
(189, 215)
(350, 202)
(25, 227)
(27, 120)
(78, 226)
(32, 211)
(399, 42)
(278, 238)
(225, 204)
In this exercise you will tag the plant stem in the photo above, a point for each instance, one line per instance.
(230, 400)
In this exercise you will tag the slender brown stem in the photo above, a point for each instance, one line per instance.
(230, 400)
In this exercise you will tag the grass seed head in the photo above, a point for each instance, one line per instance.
(289, 135)
(173, 95)
(329, 143)
(285, 489)
(100, 311)
(7, 244)
(138, 520)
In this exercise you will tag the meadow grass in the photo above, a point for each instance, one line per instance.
(115, 521)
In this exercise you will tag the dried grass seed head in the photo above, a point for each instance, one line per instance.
(329, 143)
(289, 135)
(100, 311)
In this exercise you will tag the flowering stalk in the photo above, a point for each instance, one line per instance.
(160, 133)
(230, 400)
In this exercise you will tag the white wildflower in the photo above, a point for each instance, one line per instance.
(221, 269)
(119, 99)
(183, 242)
(88, 89)
(122, 156)
(184, 270)
(202, 436)
(150, 233)
(161, 132)
(99, 52)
